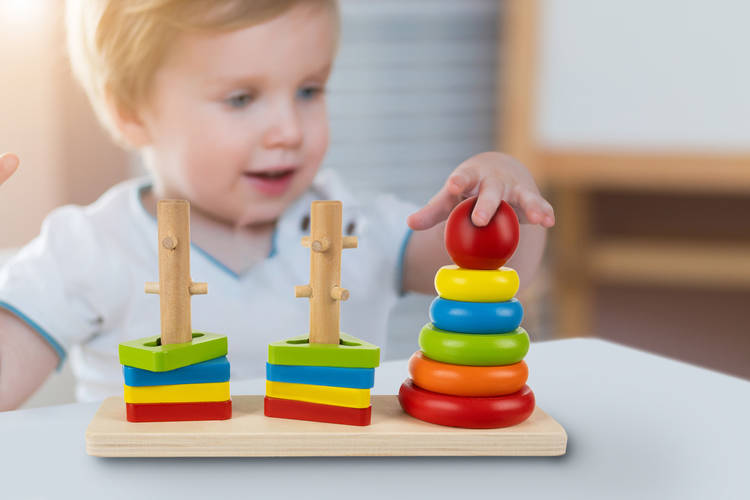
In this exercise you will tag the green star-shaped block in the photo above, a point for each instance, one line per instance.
(148, 353)
(351, 352)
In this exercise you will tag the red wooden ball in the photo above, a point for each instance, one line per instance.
(487, 247)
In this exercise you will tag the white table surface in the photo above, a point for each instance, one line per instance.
(639, 426)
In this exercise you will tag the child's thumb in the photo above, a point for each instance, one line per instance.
(8, 165)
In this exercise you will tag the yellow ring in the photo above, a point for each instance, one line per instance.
(476, 285)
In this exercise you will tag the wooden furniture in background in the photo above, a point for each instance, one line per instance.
(582, 259)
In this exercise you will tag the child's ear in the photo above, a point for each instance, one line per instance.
(129, 124)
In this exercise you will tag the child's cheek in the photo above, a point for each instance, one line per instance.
(317, 124)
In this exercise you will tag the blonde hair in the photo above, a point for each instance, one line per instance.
(116, 46)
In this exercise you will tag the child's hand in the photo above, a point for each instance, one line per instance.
(494, 177)
(8, 165)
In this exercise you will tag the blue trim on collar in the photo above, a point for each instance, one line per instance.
(273, 251)
(215, 261)
(402, 255)
(200, 250)
(38, 329)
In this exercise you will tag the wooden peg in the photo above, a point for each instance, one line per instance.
(320, 245)
(338, 293)
(198, 288)
(350, 242)
(324, 291)
(175, 287)
(317, 245)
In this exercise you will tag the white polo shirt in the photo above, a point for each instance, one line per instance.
(79, 284)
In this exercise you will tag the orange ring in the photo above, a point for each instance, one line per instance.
(462, 380)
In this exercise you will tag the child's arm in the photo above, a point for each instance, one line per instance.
(25, 358)
(25, 361)
(494, 177)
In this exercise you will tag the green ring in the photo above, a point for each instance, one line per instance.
(474, 349)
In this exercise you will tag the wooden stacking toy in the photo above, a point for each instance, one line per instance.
(325, 376)
(470, 370)
(181, 374)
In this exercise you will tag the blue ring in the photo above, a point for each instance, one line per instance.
(476, 317)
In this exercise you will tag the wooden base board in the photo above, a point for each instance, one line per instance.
(251, 434)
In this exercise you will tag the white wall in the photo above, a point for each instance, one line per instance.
(412, 93)
(30, 111)
(667, 74)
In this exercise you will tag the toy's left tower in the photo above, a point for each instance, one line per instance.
(181, 374)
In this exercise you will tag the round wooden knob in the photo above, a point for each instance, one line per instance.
(339, 293)
(170, 242)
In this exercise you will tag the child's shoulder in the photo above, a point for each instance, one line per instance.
(112, 228)
(117, 209)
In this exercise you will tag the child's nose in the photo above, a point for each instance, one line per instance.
(284, 129)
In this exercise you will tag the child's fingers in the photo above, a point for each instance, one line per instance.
(464, 181)
(436, 210)
(8, 165)
(536, 210)
(491, 193)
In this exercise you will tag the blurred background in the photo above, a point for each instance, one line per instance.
(633, 116)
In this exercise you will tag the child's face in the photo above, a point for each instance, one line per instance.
(237, 121)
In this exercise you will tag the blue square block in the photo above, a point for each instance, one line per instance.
(213, 370)
(355, 378)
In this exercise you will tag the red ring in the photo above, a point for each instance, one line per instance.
(463, 411)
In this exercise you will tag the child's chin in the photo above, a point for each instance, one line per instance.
(266, 213)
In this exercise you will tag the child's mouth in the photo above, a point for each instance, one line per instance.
(272, 182)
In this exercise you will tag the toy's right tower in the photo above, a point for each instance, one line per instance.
(470, 371)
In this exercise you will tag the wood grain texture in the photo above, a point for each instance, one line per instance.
(175, 286)
(516, 77)
(573, 285)
(688, 263)
(672, 171)
(324, 291)
(250, 434)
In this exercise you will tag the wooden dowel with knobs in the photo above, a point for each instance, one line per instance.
(175, 287)
(324, 291)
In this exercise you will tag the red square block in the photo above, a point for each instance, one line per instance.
(175, 412)
(315, 412)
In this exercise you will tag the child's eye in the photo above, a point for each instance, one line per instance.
(239, 100)
(308, 93)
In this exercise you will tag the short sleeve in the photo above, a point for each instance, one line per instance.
(60, 283)
(386, 223)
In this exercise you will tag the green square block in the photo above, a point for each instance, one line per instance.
(350, 353)
(148, 353)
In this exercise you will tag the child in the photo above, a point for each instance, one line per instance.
(225, 103)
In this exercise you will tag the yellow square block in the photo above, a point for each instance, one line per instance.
(182, 393)
(321, 394)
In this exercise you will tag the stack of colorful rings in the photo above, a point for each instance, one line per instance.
(470, 370)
